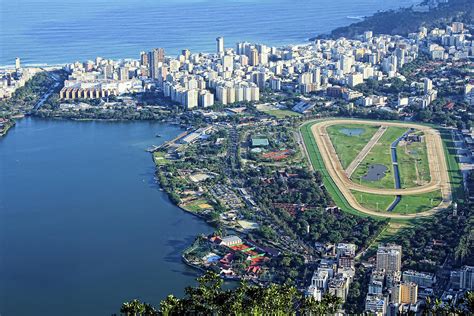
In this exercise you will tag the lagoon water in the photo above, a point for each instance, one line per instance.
(61, 31)
(83, 225)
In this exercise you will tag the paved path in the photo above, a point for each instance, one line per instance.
(365, 151)
(436, 159)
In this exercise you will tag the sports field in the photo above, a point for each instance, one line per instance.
(366, 181)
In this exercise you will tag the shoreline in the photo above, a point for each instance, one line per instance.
(8, 126)
(304, 41)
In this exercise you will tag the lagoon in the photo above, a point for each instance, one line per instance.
(83, 224)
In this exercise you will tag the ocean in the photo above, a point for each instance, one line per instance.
(63, 31)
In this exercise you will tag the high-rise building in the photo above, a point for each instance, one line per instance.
(389, 258)
(17, 63)
(466, 278)
(346, 64)
(425, 280)
(220, 45)
(457, 27)
(253, 57)
(144, 61)
(355, 79)
(401, 56)
(206, 99)
(427, 85)
(376, 305)
(343, 249)
(221, 94)
(156, 58)
(123, 73)
(368, 35)
(275, 84)
(191, 98)
(186, 53)
(317, 76)
(405, 293)
(259, 78)
(228, 62)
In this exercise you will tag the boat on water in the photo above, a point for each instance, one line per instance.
(158, 135)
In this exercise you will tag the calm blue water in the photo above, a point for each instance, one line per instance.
(59, 31)
(83, 226)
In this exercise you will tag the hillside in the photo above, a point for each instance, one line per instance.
(404, 21)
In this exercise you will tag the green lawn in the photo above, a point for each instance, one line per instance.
(416, 203)
(281, 113)
(372, 201)
(195, 206)
(454, 172)
(318, 164)
(410, 204)
(348, 147)
(159, 158)
(380, 154)
(413, 164)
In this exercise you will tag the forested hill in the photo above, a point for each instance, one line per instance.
(404, 21)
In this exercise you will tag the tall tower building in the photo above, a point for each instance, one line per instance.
(317, 76)
(427, 85)
(186, 53)
(467, 278)
(156, 59)
(144, 61)
(389, 258)
(220, 45)
(253, 58)
(228, 63)
(405, 293)
(17, 63)
(346, 63)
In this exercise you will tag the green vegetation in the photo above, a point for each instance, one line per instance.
(208, 298)
(281, 113)
(318, 164)
(197, 206)
(418, 203)
(160, 158)
(373, 202)
(454, 172)
(298, 201)
(409, 204)
(25, 98)
(413, 164)
(380, 154)
(406, 21)
(348, 147)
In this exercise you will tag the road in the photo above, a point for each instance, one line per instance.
(45, 96)
(437, 164)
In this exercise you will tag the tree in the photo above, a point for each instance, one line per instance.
(137, 308)
(208, 298)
